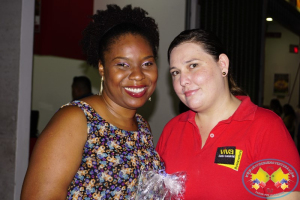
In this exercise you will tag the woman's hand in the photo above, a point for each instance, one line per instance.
(56, 156)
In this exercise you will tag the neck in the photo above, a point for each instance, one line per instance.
(206, 121)
(119, 116)
(221, 111)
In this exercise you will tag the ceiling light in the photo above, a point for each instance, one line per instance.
(269, 19)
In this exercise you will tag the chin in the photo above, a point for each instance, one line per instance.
(136, 104)
(194, 106)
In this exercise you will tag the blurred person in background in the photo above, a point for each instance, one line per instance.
(289, 118)
(276, 107)
(81, 87)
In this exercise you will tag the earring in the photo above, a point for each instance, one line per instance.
(101, 85)
(224, 73)
(149, 99)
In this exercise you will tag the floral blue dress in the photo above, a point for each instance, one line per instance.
(112, 159)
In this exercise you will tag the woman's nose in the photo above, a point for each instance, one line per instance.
(137, 74)
(184, 79)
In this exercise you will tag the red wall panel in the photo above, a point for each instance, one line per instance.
(61, 25)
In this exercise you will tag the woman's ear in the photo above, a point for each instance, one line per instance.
(101, 68)
(223, 63)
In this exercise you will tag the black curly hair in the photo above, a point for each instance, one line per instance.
(108, 25)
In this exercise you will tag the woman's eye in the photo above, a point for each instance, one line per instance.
(123, 65)
(174, 73)
(147, 64)
(193, 65)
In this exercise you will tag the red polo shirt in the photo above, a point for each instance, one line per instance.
(250, 134)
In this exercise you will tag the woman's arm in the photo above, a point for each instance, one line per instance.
(56, 156)
(290, 196)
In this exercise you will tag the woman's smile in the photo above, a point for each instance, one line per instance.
(190, 92)
(136, 91)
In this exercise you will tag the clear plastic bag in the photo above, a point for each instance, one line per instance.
(155, 185)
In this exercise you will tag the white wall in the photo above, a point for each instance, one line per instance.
(52, 80)
(52, 76)
(279, 60)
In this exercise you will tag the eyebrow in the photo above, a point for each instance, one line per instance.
(172, 68)
(148, 57)
(186, 62)
(125, 58)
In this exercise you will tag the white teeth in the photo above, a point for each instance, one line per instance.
(135, 90)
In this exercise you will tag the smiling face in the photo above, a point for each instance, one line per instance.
(130, 71)
(197, 77)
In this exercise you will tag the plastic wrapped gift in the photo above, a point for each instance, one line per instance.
(155, 185)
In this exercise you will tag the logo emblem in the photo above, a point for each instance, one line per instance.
(229, 157)
(270, 177)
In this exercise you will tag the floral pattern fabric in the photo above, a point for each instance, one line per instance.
(112, 159)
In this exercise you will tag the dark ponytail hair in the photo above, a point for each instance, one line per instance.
(211, 45)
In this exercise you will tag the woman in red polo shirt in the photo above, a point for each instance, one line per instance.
(224, 135)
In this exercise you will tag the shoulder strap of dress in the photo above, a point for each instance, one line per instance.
(85, 107)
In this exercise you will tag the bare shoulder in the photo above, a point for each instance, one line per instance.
(68, 115)
(68, 123)
(56, 155)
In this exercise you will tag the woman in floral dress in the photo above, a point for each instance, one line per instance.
(96, 147)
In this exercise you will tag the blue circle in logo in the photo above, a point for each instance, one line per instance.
(269, 160)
